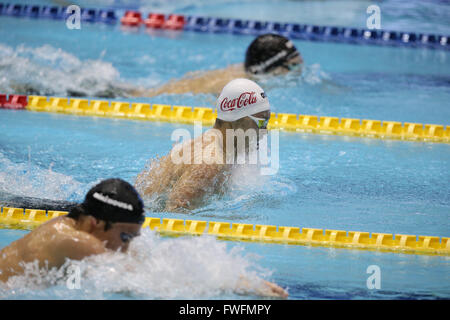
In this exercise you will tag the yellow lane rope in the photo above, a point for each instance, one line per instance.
(18, 218)
(284, 121)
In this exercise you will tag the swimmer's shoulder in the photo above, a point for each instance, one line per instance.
(54, 241)
(67, 242)
(227, 74)
(234, 69)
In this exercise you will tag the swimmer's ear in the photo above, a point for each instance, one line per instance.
(99, 223)
(95, 223)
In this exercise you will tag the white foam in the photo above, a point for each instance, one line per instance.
(47, 70)
(153, 268)
(245, 187)
(25, 179)
(313, 74)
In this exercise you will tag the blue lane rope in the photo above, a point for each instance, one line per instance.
(249, 27)
(57, 13)
(317, 33)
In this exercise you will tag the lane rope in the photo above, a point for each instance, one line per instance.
(18, 218)
(234, 26)
(284, 121)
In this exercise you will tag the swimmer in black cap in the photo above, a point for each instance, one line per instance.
(108, 219)
(272, 54)
(268, 54)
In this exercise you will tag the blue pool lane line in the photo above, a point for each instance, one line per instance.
(317, 33)
(247, 27)
(57, 13)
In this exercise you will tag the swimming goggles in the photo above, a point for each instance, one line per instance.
(289, 64)
(126, 237)
(260, 122)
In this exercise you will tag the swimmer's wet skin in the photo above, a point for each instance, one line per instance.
(268, 54)
(109, 218)
(241, 105)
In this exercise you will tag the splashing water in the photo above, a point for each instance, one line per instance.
(52, 71)
(153, 268)
(308, 74)
(313, 74)
(24, 179)
(246, 189)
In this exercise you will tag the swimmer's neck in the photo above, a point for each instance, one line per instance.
(223, 130)
(224, 127)
(84, 223)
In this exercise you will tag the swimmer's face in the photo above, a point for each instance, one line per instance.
(119, 236)
(258, 121)
(293, 64)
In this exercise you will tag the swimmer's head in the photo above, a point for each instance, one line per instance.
(115, 205)
(271, 53)
(114, 200)
(241, 98)
(243, 105)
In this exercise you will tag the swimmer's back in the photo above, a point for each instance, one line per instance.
(198, 82)
(50, 244)
(185, 184)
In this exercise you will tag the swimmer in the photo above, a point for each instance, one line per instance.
(268, 54)
(109, 218)
(183, 185)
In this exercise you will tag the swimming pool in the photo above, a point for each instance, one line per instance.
(324, 181)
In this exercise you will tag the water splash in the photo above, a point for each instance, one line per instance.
(313, 74)
(246, 191)
(309, 74)
(27, 180)
(153, 268)
(47, 70)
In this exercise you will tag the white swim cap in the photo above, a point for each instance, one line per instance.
(241, 98)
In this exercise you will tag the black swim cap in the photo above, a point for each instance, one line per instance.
(114, 200)
(267, 52)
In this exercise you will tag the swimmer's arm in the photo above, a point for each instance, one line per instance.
(156, 178)
(75, 248)
(192, 186)
(196, 82)
(264, 289)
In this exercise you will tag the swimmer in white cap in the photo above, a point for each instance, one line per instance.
(268, 54)
(180, 186)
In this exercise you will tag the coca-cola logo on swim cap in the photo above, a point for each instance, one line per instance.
(245, 99)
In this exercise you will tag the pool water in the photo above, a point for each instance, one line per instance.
(324, 182)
